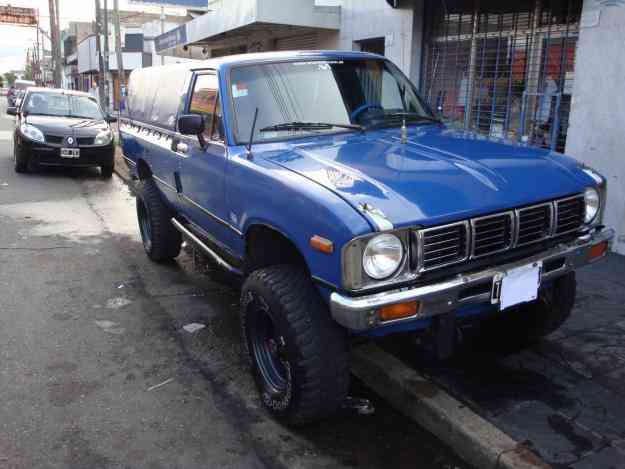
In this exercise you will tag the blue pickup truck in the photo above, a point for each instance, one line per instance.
(348, 209)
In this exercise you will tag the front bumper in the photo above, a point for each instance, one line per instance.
(50, 155)
(361, 313)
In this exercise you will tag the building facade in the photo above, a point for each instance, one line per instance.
(523, 70)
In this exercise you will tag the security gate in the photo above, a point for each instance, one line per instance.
(503, 68)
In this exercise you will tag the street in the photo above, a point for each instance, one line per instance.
(97, 370)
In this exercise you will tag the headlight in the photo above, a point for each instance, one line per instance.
(32, 133)
(103, 138)
(593, 204)
(382, 256)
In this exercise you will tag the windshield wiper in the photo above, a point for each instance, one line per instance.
(295, 125)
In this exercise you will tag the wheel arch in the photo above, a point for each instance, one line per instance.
(267, 245)
(143, 170)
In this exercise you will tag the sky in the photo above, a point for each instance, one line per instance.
(15, 40)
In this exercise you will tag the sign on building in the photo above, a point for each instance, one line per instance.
(171, 39)
(200, 4)
(18, 16)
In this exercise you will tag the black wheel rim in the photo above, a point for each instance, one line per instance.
(145, 227)
(268, 348)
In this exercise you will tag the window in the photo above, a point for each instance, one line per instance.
(366, 92)
(204, 101)
(62, 105)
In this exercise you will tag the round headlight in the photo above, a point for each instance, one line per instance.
(593, 203)
(382, 256)
(33, 133)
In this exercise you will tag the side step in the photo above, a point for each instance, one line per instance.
(207, 250)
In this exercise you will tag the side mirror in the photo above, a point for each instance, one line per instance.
(12, 111)
(110, 118)
(191, 124)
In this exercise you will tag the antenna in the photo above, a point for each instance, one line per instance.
(404, 131)
(249, 145)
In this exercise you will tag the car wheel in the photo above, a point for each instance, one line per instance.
(20, 163)
(161, 240)
(107, 171)
(299, 356)
(531, 322)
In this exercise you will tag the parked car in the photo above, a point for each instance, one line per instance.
(17, 86)
(56, 127)
(18, 97)
(324, 180)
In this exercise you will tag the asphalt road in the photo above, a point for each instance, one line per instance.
(96, 370)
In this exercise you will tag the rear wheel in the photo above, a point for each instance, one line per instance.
(161, 240)
(299, 356)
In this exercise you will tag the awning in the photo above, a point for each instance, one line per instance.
(243, 18)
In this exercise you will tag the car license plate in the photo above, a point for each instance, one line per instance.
(70, 152)
(520, 285)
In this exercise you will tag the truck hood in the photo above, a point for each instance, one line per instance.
(438, 176)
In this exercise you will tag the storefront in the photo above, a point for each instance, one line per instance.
(505, 69)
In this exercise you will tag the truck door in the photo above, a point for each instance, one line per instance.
(202, 169)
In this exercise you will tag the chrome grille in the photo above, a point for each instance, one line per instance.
(85, 140)
(534, 223)
(443, 245)
(58, 139)
(492, 234)
(569, 214)
(479, 237)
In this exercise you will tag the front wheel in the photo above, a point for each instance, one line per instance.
(20, 162)
(161, 240)
(107, 171)
(299, 356)
(531, 322)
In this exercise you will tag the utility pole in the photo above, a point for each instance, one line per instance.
(106, 56)
(98, 47)
(162, 30)
(55, 39)
(121, 73)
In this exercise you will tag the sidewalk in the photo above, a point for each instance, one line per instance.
(565, 397)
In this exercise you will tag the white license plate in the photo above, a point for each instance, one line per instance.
(520, 285)
(70, 152)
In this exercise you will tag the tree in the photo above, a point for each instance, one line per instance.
(28, 71)
(10, 78)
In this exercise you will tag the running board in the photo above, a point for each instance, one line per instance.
(208, 251)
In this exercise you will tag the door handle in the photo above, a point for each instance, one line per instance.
(182, 147)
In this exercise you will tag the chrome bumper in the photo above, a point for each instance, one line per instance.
(361, 313)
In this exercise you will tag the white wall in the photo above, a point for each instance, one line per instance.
(596, 132)
(367, 19)
(87, 59)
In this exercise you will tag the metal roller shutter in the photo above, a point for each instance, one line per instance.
(299, 42)
(503, 68)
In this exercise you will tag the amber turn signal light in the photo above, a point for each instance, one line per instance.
(399, 311)
(322, 244)
(598, 250)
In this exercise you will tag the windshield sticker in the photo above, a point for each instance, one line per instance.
(239, 90)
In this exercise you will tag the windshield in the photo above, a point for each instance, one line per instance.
(367, 92)
(57, 104)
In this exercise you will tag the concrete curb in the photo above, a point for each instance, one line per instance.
(474, 439)
(121, 169)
